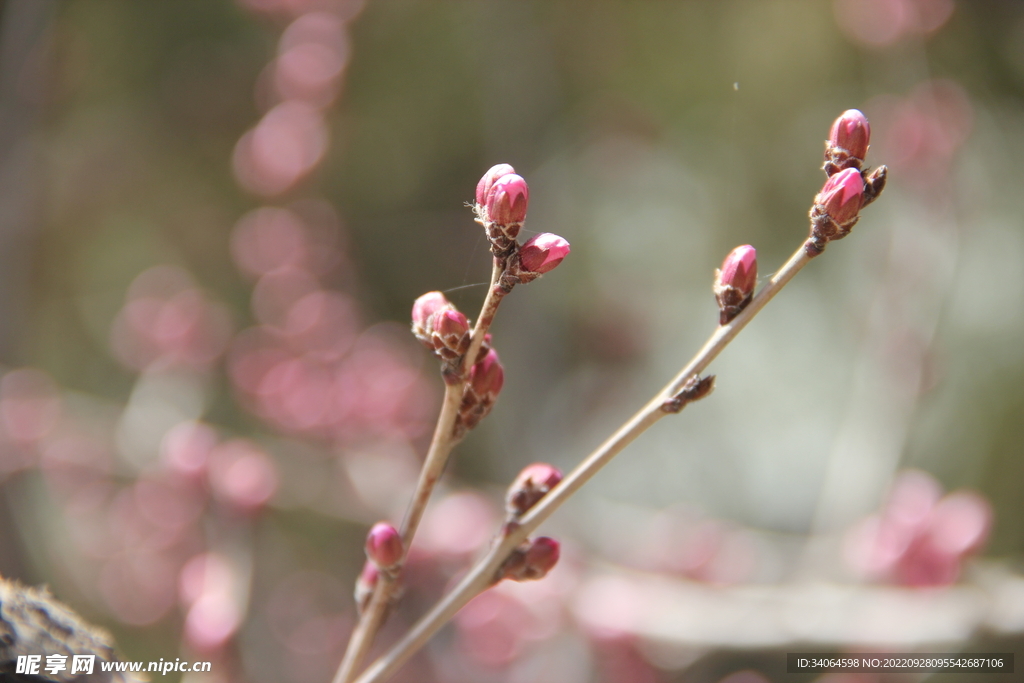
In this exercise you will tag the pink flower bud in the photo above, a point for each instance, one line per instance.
(851, 132)
(541, 253)
(424, 308)
(507, 201)
(483, 188)
(532, 560)
(384, 545)
(541, 557)
(735, 282)
(449, 333)
(836, 209)
(847, 143)
(841, 196)
(487, 377)
(530, 486)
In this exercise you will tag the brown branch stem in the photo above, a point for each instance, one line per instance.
(441, 445)
(482, 574)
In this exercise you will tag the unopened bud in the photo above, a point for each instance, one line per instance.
(531, 561)
(384, 545)
(450, 333)
(486, 378)
(848, 142)
(542, 253)
(365, 585)
(483, 188)
(530, 486)
(835, 209)
(507, 202)
(423, 309)
(735, 282)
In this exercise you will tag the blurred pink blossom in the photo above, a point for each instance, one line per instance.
(878, 23)
(167, 322)
(242, 475)
(919, 539)
(284, 147)
(29, 404)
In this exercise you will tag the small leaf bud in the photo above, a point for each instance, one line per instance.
(532, 560)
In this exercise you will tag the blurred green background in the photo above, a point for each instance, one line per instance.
(655, 136)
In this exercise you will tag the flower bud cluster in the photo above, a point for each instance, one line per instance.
(486, 378)
(530, 486)
(735, 282)
(502, 198)
(440, 326)
(848, 188)
(532, 560)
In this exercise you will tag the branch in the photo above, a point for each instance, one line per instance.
(483, 573)
(441, 446)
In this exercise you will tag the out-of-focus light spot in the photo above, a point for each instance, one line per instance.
(168, 502)
(211, 621)
(276, 292)
(242, 475)
(138, 587)
(205, 574)
(457, 525)
(919, 135)
(491, 628)
(266, 239)
(878, 23)
(283, 148)
(29, 404)
(166, 322)
(309, 72)
(185, 448)
(322, 323)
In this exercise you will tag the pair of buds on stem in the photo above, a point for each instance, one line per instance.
(446, 331)
(835, 210)
(532, 560)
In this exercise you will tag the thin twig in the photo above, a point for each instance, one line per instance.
(441, 445)
(481, 576)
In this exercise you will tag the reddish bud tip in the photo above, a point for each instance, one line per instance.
(384, 545)
(530, 486)
(507, 200)
(541, 253)
(424, 308)
(851, 132)
(483, 188)
(487, 377)
(842, 195)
